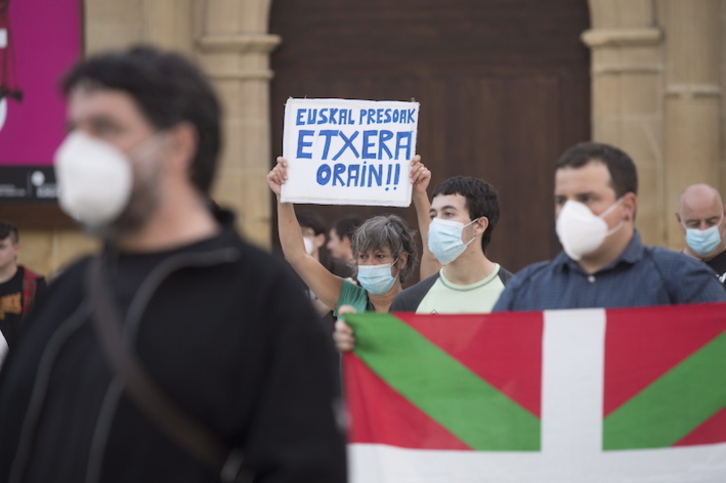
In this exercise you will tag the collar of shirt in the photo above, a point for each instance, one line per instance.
(632, 254)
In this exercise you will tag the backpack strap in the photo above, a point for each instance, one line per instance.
(30, 288)
(189, 434)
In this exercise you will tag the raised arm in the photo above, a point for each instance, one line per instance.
(420, 178)
(323, 283)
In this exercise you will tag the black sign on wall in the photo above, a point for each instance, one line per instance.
(28, 183)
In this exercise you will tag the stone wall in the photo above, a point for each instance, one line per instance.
(656, 70)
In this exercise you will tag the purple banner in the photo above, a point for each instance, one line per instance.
(39, 41)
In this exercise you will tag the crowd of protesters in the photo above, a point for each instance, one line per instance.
(181, 352)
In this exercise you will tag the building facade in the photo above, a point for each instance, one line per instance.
(652, 77)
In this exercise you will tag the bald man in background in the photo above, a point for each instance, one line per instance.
(701, 218)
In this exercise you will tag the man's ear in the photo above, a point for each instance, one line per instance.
(319, 240)
(481, 225)
(346, 240)
(630, 203)
(183, 141)
(678, 219)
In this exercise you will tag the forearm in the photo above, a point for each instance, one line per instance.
(288, 227)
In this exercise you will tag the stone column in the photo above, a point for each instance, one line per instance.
(168, 24)
(693, 100)
(627, 65)
(234, 49)
(110, 24)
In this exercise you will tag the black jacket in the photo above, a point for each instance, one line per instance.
(224, 331)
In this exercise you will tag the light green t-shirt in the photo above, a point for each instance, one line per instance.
(445, 297)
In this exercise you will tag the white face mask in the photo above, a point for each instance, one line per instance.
(309, 245)
(580, 231)
(94, 179)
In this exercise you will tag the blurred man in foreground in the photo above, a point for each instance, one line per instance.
(180, 353)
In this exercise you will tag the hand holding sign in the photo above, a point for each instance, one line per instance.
(277, 177)
(349, 151)
(420, 175)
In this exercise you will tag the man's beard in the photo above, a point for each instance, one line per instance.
(143, 204)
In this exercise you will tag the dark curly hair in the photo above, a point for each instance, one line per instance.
(482, 200)
(9, 230)
(168, 89)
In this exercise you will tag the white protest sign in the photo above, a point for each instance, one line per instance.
(349, 152)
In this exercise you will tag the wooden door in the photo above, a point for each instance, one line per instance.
(503, 85)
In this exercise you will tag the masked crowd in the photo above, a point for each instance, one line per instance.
(603, 262)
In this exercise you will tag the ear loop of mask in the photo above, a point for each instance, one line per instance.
(607, 212)
(474, 237)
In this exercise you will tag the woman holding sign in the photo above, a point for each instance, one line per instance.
(383, 247)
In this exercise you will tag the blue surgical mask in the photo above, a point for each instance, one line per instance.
(705, 241)
(376, 279)
(445, 239)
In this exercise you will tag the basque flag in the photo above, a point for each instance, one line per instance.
(626, 395)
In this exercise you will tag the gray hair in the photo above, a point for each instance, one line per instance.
(387, 231)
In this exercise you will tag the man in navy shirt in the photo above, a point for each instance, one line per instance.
(604, 262)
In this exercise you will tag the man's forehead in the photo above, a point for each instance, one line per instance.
(701, 207)
(700, 196)
(88, 101)
(456, 200)
(593, 176)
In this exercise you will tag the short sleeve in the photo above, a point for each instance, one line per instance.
(352, 294)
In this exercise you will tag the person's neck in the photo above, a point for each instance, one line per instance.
(470, 267)
(382, 302)
(608, 253)
(8, 272)
(180, 221)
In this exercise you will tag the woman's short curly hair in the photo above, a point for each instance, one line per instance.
(387, 231)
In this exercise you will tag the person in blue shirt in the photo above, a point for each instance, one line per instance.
(604, 263)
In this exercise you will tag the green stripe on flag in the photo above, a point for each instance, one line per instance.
(449, 392)
(674, 405)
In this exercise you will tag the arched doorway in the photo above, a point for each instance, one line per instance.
(504, 87)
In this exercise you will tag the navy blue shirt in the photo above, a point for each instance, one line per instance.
(642, 276)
